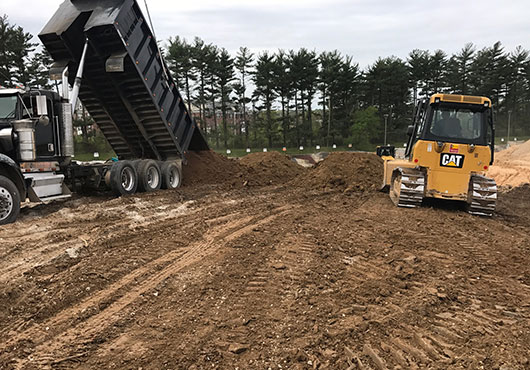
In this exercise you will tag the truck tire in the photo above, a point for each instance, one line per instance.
(123, 178)
(149, 176)
(171, 175)
(9, 201)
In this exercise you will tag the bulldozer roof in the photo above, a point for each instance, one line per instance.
(466, 99)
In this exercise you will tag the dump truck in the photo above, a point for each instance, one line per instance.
(449, 150)
(106, 56)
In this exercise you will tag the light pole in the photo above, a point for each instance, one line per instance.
(386, 122)
(509, 123)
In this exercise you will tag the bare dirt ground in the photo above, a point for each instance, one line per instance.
(240, 276)
(512, 166)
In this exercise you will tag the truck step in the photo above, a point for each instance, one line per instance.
(45, 186)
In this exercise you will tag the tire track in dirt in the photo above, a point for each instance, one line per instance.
(46, 251)
(53, 343)
(270, 283)
(116, 235)
(438, 344)
(447, 338)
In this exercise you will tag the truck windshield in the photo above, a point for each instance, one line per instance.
(459, 124)
(8, 106)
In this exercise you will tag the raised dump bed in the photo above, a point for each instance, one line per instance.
(126, 86)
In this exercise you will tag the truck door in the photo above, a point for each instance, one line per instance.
(45, 133)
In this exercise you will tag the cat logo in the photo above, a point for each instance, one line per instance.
(452, 160)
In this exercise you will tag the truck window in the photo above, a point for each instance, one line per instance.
(8, 107)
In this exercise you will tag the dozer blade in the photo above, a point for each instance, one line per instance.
(408, 188)
(482, 196)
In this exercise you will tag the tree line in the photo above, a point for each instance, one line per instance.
(301, 97)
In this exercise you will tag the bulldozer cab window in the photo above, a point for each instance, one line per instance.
(458, 124)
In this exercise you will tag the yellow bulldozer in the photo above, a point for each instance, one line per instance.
(449, 150)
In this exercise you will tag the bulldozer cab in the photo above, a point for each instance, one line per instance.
(455, 119)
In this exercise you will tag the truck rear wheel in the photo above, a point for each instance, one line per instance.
(9, 201)
(123, 178)
(149, 176)
(171, 175)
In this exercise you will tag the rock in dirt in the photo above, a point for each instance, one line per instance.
(237, 348)
(279, 266)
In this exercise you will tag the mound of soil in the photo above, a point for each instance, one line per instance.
(350, 172)
(515, 153)
(513, 203)
(512, 166)
(257, 169)
(208, 167)
(270, 168)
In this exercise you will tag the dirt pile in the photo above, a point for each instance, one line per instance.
(515, 153)
(257, 169)
(512, 166)
(350, 172)
(209, 167)
(270, 168)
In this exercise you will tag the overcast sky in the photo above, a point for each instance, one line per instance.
(364, 29)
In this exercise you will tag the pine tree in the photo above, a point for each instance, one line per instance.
(243, 64)
(310, 85)
(296, 72)
(346, 96)
(37, 70)
(200, 65)
(15, 50)
(263, 79)
(330, 67)
(518, 84)
(490, 72)
(225, 76)
(459, 70)
(180, 57)
(387, 88)
(418, 65)
(283, 87)
(212, 82)
(304, 69)
(437, 72)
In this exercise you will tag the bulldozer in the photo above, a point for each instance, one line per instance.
(451, 144)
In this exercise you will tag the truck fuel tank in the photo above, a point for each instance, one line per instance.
(25, 130)
(6, 140)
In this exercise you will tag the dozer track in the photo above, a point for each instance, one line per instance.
(407, 188)
(482, 196)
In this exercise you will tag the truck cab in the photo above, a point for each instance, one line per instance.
(33, 147)
(16, 105)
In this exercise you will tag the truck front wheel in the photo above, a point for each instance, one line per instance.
(9, 201)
